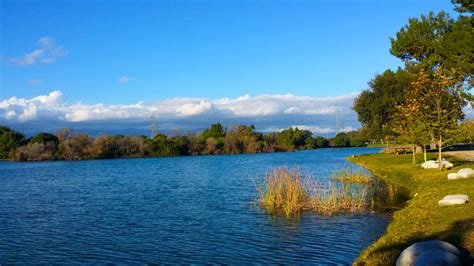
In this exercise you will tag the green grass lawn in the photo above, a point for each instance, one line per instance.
(422, 218)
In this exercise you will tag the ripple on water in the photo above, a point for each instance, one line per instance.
(170, 210)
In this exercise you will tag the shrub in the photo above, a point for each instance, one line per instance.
(34, 152)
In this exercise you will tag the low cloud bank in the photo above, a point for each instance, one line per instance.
(266, 112)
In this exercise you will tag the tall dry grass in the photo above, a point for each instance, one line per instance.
(290, 192)
(351, 175)
(284, 190)
(337, 198)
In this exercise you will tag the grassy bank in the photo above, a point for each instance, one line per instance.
(422, 218)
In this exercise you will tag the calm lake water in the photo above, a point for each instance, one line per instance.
(170, 210)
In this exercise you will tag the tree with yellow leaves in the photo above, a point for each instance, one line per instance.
(407, 122)
(436, 102)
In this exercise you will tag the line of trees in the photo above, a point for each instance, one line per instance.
(422, 103)
(68, 145)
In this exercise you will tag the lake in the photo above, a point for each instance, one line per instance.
(171, 210)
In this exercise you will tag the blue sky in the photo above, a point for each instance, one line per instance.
(124, 52)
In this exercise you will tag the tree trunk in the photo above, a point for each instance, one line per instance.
(413, 153)
(424, 152)
(440, 153)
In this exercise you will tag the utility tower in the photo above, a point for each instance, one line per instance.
(154, 127)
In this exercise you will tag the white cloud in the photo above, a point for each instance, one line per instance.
(265, 105)
(315, 129)
(264, 111)
(46, 53)
(194, 109)
(124, 79)
(312, 111)
(23, 110)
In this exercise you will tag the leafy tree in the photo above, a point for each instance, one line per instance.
(408, 121)
(164, 147)
(195, 145)
(74, 146)
(463, 5)
(106, 147)
(233, 143)
(439, 50)
(250, 139)
(103, 147)
(64, 134)
(341, 140)
(376, 105)
(322, 142)
(292, 138)
(212, 146)
(269, 142)
(132, 146)
(442, 103)
(35, 152)
(49, 148)
(436, 40)
(310, 143)
(9, 141)
(466, 130)
(356, 139)
(182, 144)
(44, 138)
(215, 131)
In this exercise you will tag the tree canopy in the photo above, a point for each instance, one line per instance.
(9, 141)
(463, 6)
(424, 101)
(437, 39)
(68, 145)
(376, 105)
(215, 131)
(44, 138)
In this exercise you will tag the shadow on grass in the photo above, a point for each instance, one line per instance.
(460, 234)
(455, 160)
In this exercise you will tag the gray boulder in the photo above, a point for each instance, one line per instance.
(454, 199)
(462, 173)
(466, 173)
(453, 176)
(437, 257)
(432, 164)
(416, 251)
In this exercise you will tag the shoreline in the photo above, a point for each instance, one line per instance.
(421, 218)
(188, 155)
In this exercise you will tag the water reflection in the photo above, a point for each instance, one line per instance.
(388, 197)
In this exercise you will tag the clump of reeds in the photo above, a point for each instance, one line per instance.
(335, 198)
(288, 191)
(284, 190)
(351, 175)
